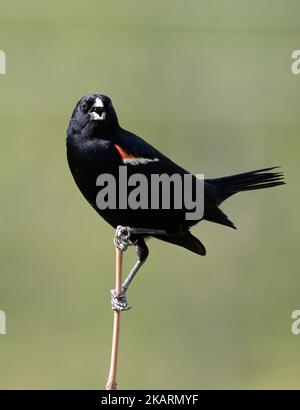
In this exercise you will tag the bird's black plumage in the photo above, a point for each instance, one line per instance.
(96, 144)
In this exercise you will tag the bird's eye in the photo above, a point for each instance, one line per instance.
(84, 106)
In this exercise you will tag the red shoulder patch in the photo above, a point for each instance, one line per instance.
(131, 159)
(123, 154)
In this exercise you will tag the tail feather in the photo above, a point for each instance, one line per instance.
(230, 185)
(186, 240)
(216, 215)
(247, 181)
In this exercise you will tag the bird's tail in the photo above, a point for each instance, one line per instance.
(247, 181)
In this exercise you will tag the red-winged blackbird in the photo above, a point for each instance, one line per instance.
(96, 145)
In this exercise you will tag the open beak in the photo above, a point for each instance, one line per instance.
(97, 112)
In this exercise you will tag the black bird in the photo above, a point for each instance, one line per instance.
(97, 145)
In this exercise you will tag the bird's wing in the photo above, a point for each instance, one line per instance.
(147, 160)
(136, 151)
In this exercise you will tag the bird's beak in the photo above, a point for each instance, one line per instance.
(97, 112)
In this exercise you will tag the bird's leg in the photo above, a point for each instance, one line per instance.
(119, 301)
(131, 274)
(122, 240)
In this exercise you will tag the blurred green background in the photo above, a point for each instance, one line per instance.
(210, 84)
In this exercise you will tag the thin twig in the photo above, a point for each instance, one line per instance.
(111, 381)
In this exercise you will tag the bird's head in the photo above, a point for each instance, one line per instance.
(93, 113)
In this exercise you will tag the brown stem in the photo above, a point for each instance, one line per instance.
(111, 381)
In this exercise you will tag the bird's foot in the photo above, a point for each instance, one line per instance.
(118, 301)
(122, 237)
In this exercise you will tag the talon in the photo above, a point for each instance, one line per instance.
(122, 237)
(118, 302)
